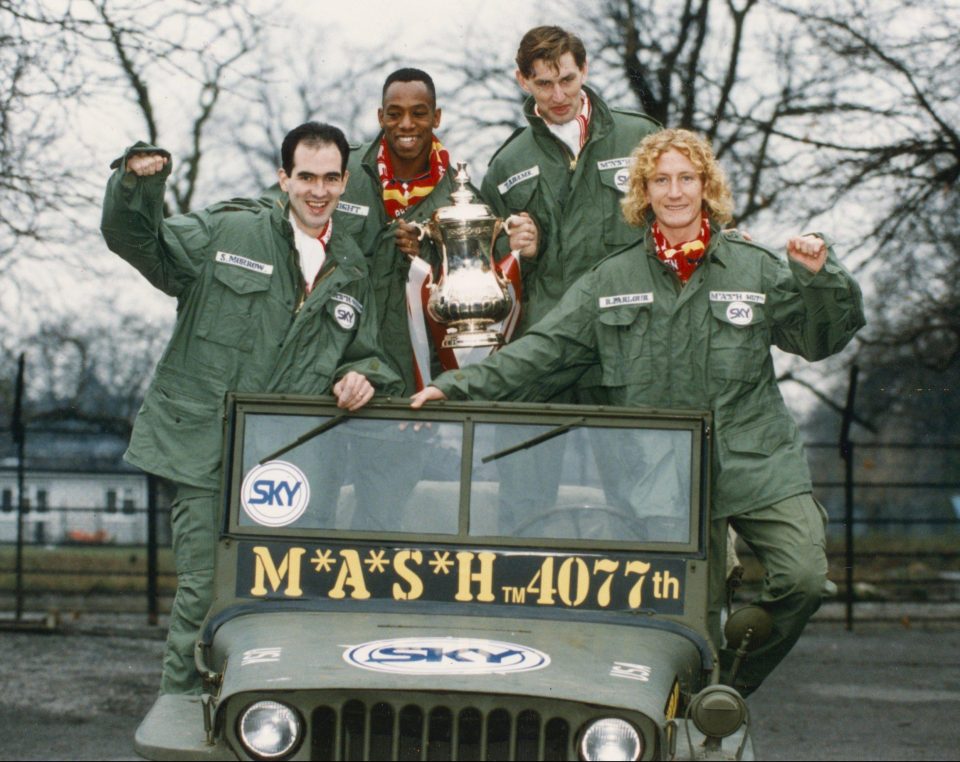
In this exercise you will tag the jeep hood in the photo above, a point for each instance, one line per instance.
(631, 665)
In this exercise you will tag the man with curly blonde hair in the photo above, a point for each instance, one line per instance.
(686, 318)
(717, 201)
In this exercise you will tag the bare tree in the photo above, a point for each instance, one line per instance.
(37, 73)
(886, 151)
(65, 61)
(685, 64)
(91, 371)
(160, 71)
(297, 88)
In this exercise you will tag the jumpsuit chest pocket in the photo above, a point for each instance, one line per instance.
(623, 344)
(230, 306)
(614, 181)
(355, 224)
(517, 191)
(739, 340)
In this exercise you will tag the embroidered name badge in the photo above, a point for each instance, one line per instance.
(358, 209)
(614, 163)
(621, 299)
(226, 258)
(518, 178)
(347, 299)
(738, 296)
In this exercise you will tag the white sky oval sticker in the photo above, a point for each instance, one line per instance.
(445, 656)
(275, 494)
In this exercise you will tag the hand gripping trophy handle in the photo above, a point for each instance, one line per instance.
(470, 295)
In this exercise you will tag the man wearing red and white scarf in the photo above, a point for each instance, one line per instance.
(398, 179)
(567, 168)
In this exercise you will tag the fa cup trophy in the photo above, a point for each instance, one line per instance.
(470, 295)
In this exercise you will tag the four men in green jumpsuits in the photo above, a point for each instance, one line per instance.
(629, 332)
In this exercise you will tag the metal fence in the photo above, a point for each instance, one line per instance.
(70, 556)
(895, 520)
(894, 536)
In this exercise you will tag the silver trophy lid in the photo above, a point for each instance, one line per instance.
(463, 208)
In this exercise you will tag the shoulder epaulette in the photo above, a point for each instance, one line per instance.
(242, 205)
(638, 115)
(734, 236)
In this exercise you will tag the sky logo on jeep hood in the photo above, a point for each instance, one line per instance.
(445, 656)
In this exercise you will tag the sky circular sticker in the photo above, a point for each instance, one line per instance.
(445, 656)
(740, 313)
(621, 179)
(345, 315)
(275, 494)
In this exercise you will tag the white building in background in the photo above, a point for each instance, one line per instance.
(89, 507)
(77, 489)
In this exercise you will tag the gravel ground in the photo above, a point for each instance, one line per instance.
(888, 690)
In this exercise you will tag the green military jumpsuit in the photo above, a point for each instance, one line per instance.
(242, 325)
(575, 201)
(706, 345)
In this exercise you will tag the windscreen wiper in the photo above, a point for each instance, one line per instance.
(314, 432)
(534, 441)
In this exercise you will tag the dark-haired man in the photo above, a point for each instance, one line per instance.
(269, 298)
(567, 168)
(399, 178)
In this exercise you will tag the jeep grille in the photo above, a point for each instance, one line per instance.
(356, 730)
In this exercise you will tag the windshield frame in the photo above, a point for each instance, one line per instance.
(469, 414)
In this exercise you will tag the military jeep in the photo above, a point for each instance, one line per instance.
(468, 581)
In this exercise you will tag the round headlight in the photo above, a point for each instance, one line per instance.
(611, 739)
(270, 729)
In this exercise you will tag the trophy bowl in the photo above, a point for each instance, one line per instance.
(470, 296)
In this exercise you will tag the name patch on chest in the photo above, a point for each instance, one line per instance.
(621, 299)
(527, 174)
(738, 296)
(358, 209)
(347, 299)
(226, 258)
(614, 163)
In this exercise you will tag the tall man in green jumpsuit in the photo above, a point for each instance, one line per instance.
(269, 298)
(567, 168)
(685, 318)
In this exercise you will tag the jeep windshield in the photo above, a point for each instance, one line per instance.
(462, 473)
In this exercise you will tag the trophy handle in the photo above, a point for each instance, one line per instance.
(422, 231)
(511, 220)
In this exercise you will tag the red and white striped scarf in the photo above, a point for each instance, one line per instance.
(684, 258)
(400, 195)
(576, 132)
(312, 252)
